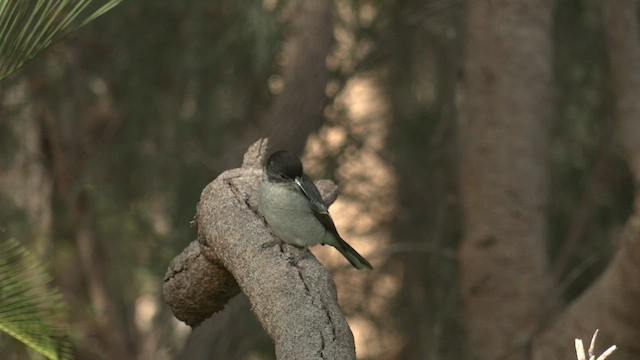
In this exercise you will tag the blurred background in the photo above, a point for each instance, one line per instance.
(108, 138)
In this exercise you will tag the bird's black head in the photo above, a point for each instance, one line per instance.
(283, 165)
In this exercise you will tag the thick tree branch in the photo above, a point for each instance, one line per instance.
(196, 287)
(292, 295)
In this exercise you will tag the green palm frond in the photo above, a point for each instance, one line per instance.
(30, 309)
(27, 27)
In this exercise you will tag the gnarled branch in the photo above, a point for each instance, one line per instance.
(292, 295)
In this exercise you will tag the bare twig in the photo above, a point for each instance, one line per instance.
(582, 355)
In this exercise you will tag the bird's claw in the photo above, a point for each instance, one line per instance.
(269, 244)
(294, 260)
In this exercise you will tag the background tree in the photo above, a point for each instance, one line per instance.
(504, 174)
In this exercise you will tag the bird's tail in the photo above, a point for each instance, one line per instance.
(352, 255)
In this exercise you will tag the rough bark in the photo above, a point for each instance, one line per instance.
(291, 294)
(503, 139)
(611, 303)
(215, 285)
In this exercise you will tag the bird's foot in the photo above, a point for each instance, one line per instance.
(270, 244)
(294, 260)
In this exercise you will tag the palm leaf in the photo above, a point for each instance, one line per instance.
(27, 27)
(30, 309)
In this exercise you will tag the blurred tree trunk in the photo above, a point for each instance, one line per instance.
(611, 303)
(220, 337)
(503, 140)
(26, 186)
(69, 152)
(298, 110)
(422, 133)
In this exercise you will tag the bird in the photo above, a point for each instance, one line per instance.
(294, 210)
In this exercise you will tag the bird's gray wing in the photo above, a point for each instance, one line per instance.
(316, 204)
(321, 213)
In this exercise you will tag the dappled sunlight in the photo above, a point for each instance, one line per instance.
(146, 308)
(354, 140)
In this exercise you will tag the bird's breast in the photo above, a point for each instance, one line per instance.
(288, 214)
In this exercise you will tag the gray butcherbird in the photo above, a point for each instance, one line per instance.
(294, 210)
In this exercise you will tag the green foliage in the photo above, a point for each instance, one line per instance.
(27, 27)
(30, 310)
